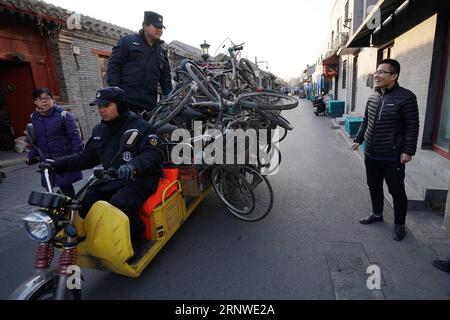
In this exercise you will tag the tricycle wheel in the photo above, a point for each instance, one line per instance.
(48, 291)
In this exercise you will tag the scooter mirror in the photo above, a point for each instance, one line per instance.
(128, 139)
(30, 134)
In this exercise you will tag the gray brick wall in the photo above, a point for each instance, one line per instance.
(79, 82)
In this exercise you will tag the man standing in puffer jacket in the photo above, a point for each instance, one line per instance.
(390, 130)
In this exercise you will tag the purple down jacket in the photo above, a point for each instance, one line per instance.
(57, 136)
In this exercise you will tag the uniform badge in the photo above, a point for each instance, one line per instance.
(98, 94)
(153, 139)
(127, 156)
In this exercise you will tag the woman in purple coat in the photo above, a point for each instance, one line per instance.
(57, 135)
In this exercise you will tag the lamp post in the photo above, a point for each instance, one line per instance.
(257, 65)
(205, 50)
(258, 62)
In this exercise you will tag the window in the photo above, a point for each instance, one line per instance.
(332, 40)
(388, 52)
(103, 57)
(442, 130)
(344, 74)
(103, 68)
(346, 12)
(369, 80)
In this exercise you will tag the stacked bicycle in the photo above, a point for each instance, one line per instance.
(225, 99)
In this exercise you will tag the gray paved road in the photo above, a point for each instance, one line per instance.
(310, 247)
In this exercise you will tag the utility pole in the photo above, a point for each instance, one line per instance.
(258, 73)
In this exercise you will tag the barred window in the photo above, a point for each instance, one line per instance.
(103, 68)
(344, 74)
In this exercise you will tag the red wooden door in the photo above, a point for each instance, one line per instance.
(17, 84)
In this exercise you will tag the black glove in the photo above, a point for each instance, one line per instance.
(31, 161)
(126, 172)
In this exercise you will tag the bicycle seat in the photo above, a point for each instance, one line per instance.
(166, 129)
(190, 114)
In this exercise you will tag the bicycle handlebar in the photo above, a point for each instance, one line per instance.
(238, 47)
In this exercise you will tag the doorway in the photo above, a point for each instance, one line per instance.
(17, 84)
(354, 83)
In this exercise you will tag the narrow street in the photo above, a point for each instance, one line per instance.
(311, 246)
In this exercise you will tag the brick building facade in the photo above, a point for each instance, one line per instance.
(35, 37)
(42, 45)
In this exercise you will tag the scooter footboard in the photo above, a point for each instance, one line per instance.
(107, 244)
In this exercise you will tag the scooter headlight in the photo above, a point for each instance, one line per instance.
(39, 226)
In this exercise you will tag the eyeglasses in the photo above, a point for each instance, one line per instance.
(381, 72)
(42, 99)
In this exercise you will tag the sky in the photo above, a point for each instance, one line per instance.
(288, 34)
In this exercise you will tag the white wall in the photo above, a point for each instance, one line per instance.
(414, 51)
(367, 63)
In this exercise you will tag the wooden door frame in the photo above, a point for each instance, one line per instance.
(440, 97)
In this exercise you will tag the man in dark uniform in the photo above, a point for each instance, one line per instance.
(138, 63)
(138, 168)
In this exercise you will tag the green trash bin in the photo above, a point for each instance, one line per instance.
(336, 108)
(352, 125)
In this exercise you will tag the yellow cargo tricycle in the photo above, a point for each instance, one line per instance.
(102, 240)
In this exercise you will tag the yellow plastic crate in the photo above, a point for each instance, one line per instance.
(168, 216)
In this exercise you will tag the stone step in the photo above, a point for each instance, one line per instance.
(416, 202)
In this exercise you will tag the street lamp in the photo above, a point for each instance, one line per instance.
(205, 50)
(258, 62)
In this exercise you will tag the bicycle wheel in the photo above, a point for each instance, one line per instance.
(171, 107)
(247, 74)
(277, 119)
(268, 100)
(269, 159)
(233, 191)
(262, 192)
(200, 78)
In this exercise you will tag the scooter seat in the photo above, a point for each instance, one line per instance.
(170, 175)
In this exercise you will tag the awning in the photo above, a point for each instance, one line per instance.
(334, 59)
(330, 66)
(361, 38)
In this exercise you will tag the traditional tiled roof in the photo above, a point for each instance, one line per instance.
(185, 50)
(49, 12)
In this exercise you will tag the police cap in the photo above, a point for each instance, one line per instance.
(153, 18)
(106, 95)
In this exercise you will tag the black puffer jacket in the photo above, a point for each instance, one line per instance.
(391, 123)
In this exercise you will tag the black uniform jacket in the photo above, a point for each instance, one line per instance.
(391, 123)
(103, 146)
(137, 68)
